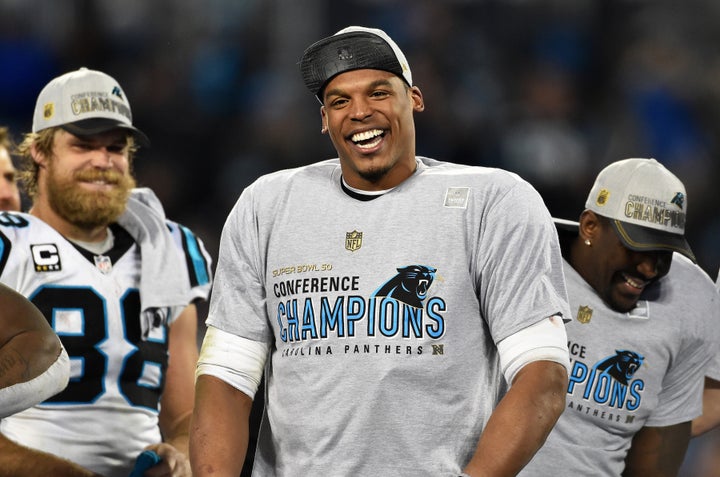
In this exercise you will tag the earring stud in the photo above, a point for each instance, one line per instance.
(588, 243)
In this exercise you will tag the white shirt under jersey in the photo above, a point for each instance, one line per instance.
(630, 370)
(383, 316)
(109, 411)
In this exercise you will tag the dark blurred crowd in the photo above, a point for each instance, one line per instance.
(553, 90)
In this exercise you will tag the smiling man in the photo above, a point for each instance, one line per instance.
(444, 289)
(645, 315)
(100, 260)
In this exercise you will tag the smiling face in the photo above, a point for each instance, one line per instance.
(87, 181)
(619, 275)
(369, 117)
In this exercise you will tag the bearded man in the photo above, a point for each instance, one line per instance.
(115, 279)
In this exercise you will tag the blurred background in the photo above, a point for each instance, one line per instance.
(552, 90)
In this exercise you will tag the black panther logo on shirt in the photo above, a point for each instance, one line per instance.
(409, 286)
(153, 318)
(622, 366)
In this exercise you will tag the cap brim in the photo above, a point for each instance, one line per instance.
(645, 239)
(88, 127)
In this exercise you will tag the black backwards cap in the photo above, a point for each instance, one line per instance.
(352, 48)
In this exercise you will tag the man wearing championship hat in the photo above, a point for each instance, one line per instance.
(646, 325)
(107, 269)
(389, 299)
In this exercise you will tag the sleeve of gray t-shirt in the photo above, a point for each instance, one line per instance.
(520, 274)
(237, 301)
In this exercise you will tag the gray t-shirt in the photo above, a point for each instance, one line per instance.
(630, 370)
(383, 316)
(713, 370)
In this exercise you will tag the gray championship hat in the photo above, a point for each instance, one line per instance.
(85, 102)
(352, 48)
(646, 203)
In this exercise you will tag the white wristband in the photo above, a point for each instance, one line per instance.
(236, 360)
(21, 396)
(545, 340)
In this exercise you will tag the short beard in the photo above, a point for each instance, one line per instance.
(375, 175)
(84, 208)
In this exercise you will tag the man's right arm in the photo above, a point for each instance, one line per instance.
(657, 451)
(33, 363)
(219, 430)
(710, 417)
(229, 371)
(20, 460)
(28, 345)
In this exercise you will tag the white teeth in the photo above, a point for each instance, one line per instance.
(635, 283)
(364, 136)
(370, 145)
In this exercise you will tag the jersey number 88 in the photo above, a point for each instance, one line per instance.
(90, 385)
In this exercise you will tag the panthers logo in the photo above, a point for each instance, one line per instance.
(678, 200)
(153, 318)
(622, 366)
(409, 286)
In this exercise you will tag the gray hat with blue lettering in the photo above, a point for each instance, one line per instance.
(646, 203)
(85, 102)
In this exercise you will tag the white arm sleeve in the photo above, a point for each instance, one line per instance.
(237, 361)
(546, 340)
(21, 396)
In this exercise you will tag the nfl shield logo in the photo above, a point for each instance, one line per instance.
(103, 263)
(49, 110)
(584, 314)
(353, 240)
(602, 197)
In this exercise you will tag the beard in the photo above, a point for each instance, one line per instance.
(374, 175)
(377, 172)
(86, 208)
